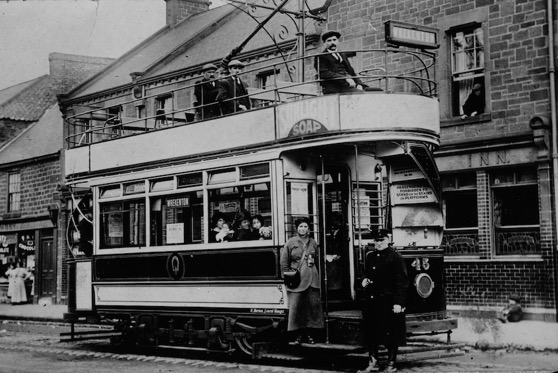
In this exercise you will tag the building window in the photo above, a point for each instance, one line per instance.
(14, 192)
(266, 79)
(459, 193)
(140, 111)
(165, 110)
(468, 71)
(515, 210)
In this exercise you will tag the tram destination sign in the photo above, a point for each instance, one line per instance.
(415, 36)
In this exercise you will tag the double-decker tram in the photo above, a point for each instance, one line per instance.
(352, 163)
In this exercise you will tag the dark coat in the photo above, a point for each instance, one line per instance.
(205, 92)
(228, 91)
(291, 254)
(388, 275)
(333, 73)
(474, 103)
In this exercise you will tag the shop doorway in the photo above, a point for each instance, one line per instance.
(47, 274)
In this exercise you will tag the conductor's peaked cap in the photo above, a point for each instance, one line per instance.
(380, 233)
(329, 34)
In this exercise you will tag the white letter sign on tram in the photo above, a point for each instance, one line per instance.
(307, 127)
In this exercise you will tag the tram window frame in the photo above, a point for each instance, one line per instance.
(161, 184)
(191, 217)
(292, 215)
(373, 191)
(110, 191)
(192, 180)
(122, 214)
(243, 200)
(459, 187)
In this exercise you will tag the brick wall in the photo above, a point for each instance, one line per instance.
(38, 188)
(517, 83)
(179, 10)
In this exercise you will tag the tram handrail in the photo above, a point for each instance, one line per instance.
(106, 123)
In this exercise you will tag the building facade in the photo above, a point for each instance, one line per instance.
(30, 174)
(496, 165)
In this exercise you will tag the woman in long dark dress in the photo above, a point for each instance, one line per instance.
(305, 308)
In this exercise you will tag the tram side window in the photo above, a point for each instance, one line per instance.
(231, 205)
(177, 219)
(299, 204)
(123, 224)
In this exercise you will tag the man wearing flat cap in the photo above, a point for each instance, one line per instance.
(205, 94)
(385, 285)
(233, 94)
(334, 69)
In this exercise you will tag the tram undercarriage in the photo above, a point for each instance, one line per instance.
(258, 336)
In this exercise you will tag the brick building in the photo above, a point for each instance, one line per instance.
(30, 171)
(496, 166)
(497, 170)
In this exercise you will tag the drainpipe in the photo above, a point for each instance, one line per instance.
(552, 77)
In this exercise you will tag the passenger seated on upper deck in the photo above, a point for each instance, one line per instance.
(205, 94)
(232, 87)
(334, 69)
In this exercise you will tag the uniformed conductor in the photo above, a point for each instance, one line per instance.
(385, 286)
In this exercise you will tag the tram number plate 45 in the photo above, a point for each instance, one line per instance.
(421, 263)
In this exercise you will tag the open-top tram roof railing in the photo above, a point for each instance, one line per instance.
(389, 70)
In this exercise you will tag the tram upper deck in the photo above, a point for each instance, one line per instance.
(404, 107)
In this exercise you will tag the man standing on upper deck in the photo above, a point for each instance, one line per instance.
(232, 87)
(334, 69)
(205, 94)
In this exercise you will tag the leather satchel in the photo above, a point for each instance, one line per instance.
(292, 277)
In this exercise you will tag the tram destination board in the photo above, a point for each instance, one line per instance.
(415, 36)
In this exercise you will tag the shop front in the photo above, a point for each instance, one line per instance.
(31, 245)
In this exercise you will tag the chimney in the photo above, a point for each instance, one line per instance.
(179, 10)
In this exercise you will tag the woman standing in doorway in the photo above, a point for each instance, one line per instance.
(21, 274)
(305, 308)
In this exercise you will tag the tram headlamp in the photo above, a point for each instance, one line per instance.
(424, 285)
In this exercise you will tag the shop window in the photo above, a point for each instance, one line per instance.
(122, 224)
(14, 192)
(460, 200)
(177, 219)
(234, 204)
(459, 194)
(468, 71)
(515, 212)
